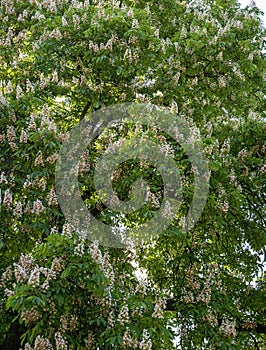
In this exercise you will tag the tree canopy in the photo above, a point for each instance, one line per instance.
(202, 288)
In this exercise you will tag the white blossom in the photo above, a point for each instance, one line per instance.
(19, 92)
(39, 160)
(34, 278)
(38, 207)
(9, 87)
(146, 343)
(17, 212)
(123, 317)
(23, 136)
(8, 199)
(64, 22)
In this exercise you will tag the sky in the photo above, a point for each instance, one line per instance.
(261, 4)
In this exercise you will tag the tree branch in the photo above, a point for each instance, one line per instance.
(85, 110)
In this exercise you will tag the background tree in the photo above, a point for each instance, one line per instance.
(62, 59)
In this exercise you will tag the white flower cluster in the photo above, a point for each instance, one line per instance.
(8, 199)
(95, 252)
(39, 160)
(67, 230)
(63, 137)
(3, 179)
(193, 291)
(123, 317)
(51, 159)
(211, 319)
(159, 309)
(38, 207)
(40, 343)
(23, 136)
(30, 316)
(79, 249)
(57, 266)
(6, 277)
(205, 295)
(129, 341)
(34, 278)
(52, 198)
(11, 133)
(24, 271)
(141, 287)
(223, 206)
(68, 323)
(61, 343)
(2, 138)
(9, 87)
(108, 46)
(90, 341)
(187, 296)
(146, 343)
(38, 183)
(39, 16)
(222, 82)
(152, 198)
(19, 92)
(32, 124)
(167, 211)
(228, 328)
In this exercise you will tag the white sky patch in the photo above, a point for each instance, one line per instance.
(261, 4)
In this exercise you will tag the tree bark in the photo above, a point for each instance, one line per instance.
(12, 341)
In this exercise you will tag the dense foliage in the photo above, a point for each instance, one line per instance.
(201, 289)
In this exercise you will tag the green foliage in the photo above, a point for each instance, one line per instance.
(69, 292)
